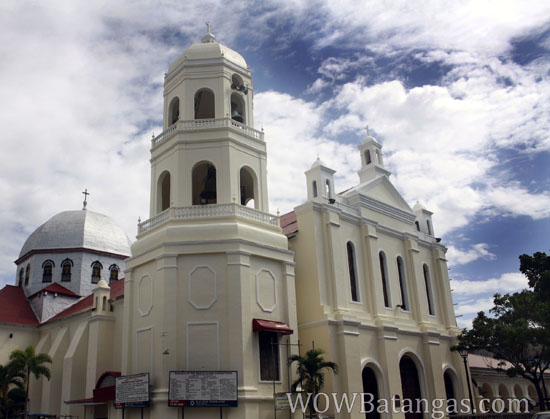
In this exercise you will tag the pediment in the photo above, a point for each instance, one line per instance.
(383, 190)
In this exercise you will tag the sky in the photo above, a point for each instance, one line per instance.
(457, 93)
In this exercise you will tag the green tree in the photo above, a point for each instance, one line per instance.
(310, 373)
(10, 376)
(30, 363)
(516, 331)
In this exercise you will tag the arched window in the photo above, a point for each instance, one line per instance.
(328, 190)
(429, 227)
(21, 277)
(204, 184)
(248, 187)
(428, 284)
(204, 104)
(104, 303)
(113, 273)
(384, 275)
(368, 159)
(352, 272)
(174, 111)
(402, 283)
(66, 267)
(417, 225)
(47, 271)
(96, 272)
(27, 274)
(163, 191)
(314, 186)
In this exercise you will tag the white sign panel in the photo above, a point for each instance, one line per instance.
(132, 390)
(203, 388)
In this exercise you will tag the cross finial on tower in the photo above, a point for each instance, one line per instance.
(368, 132)
(209, 37)
(85, 203)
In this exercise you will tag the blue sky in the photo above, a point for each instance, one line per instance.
(458, 94)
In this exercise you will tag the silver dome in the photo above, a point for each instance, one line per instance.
(79, 229)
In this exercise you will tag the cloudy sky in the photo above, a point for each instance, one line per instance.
(458, 94)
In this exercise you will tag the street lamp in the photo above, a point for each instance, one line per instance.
(463, 352)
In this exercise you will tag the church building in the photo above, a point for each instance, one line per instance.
(215, 282)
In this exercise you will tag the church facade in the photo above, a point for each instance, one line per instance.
(214, 282)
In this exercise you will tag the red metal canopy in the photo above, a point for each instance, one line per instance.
(260, 325)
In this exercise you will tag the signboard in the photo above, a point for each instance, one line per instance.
(281, 401)
(203, 389)
(132, 391)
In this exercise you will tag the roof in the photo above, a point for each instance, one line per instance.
(57, 288)
(79, 229)
(208, 51)
(289, 223)
(117, 290)
(14, 307)
(480, 361)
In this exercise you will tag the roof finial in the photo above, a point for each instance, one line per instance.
(209, 37)
(368, 133)
(85, 203)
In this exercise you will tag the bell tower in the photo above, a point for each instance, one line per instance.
(210, 285)
(209, 151)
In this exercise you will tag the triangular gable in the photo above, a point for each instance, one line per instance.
(383, 190)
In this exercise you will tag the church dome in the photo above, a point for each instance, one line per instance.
(208, 51)
(79, 229)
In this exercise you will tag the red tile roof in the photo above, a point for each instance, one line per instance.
(82, 305)
(117, 290)
(57, 288)
(14, 307)
(289, 223)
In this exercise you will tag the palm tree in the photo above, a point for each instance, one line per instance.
(29, 362)
(9, 375)
(310, 373)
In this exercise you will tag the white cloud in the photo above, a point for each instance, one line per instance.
(507, 282)
(457, 256)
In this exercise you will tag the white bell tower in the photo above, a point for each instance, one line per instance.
(209, 152)
(210, 285)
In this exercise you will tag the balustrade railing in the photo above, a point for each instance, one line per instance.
(198, 124)
(208, 211)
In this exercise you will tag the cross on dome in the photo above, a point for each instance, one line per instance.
(209, 37)
(85, 203)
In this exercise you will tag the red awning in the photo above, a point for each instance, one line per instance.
(260, 325)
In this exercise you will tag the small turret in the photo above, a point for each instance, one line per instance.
(320, 182)
(372, 162)
(423, 221)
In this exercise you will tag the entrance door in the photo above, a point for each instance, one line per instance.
(410, 386)
(370, 386)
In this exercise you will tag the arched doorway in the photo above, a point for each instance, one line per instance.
(487, 393)
(410, 386)
(504, 396)
(450, 393)
(370, 386)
